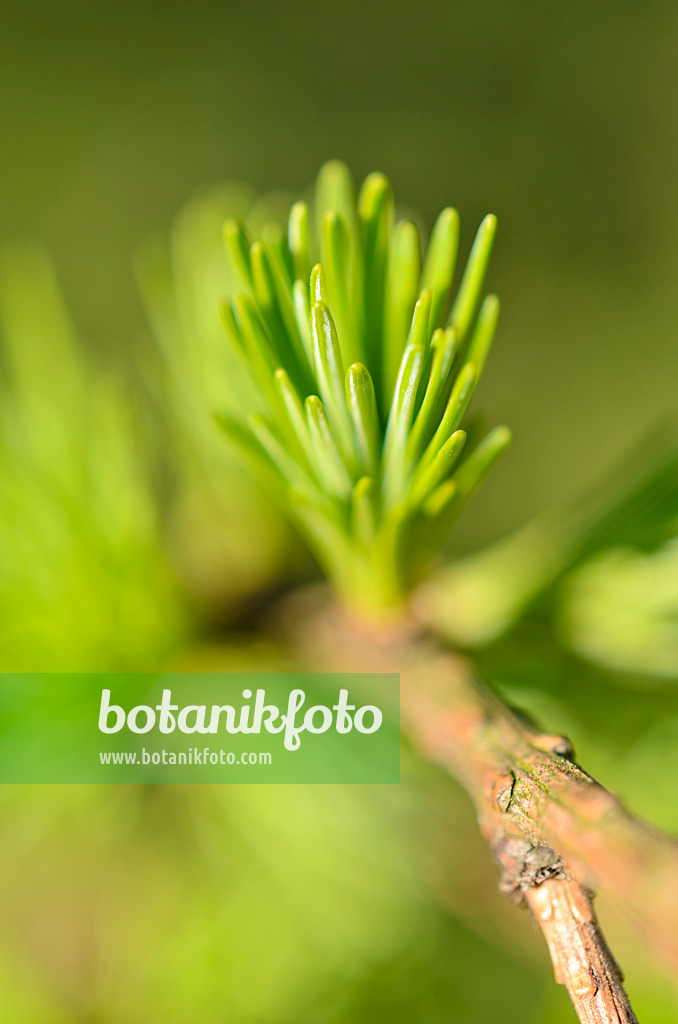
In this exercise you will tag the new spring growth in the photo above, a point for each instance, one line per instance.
(167, 717)
(365, 360)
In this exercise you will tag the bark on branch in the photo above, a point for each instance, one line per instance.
(526, 785)
(581, 958)
(555, 832)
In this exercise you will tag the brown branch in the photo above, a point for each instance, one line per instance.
(563, 908)
(581, 959)
(555, 832)
(492, 753)
(525, 785)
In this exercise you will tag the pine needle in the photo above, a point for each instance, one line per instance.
(361, 388)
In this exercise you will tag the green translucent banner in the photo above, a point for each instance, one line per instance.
(199, 728)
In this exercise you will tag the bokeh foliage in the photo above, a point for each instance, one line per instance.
(76, 500)
(129, 549)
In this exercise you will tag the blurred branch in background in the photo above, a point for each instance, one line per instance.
(607, 564)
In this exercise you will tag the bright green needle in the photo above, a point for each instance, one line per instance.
(361, 389)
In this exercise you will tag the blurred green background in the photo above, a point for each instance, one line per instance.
(128, 539)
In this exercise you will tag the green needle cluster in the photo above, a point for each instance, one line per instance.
(364, 368)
